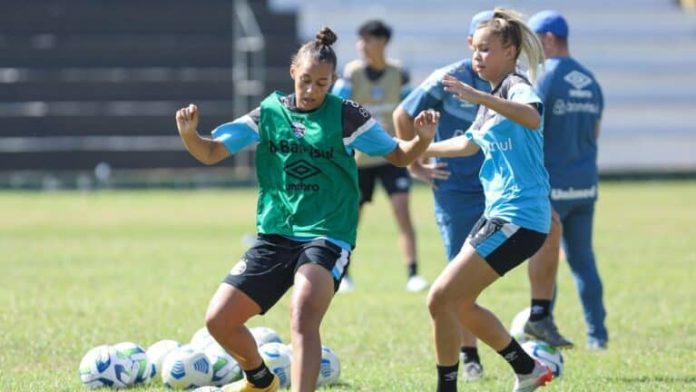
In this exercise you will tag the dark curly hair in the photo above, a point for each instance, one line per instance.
(320, 48)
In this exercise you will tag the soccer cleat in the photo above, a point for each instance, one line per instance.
(596, 345)
(245, 386)
(546, 330)
(539, 377)
(416, 283)
(472, 371)
(346, 285)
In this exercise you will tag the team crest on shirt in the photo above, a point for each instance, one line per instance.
(298, 129)
(239, 268)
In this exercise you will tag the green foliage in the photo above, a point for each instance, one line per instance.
(83, 269)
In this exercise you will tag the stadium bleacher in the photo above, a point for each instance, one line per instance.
(84, 82)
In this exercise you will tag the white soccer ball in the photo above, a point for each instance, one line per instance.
(158, 351)
(546, 354)
(276, 357)
(145, 368)
(264, 335)
(103, 366)
(225, 368)
(186, 368)
(517, 326)
(330, 369)
(202, 338)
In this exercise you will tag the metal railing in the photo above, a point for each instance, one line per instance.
(248, 71)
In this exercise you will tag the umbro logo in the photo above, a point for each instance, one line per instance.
(452, 376)
(578, 79)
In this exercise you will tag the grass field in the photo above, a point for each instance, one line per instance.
(83, 269)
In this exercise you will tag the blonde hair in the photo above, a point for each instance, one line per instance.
(512, 30)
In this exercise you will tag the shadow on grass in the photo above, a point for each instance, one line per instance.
(657, 379)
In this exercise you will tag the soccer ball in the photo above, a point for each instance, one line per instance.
(158, 351)
(202, 338)
(264, 335)
(517, 326)
(103, 366)
(186, 368)
(330, 369)
(145, 368)
(225, 368)
(546, 354)
(276, 357)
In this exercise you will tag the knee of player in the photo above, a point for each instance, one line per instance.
(438, 301)
(216, 323)
(305, 316)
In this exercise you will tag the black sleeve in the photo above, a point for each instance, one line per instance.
(354, 116)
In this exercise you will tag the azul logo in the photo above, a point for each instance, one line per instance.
(298, 129)
(505, 145)
(578, 79)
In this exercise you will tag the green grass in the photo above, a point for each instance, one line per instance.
(83, 269)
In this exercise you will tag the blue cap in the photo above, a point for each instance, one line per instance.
(549, 22)
(481, 17)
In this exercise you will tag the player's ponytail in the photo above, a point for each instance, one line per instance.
(512, 30)
(320, 48)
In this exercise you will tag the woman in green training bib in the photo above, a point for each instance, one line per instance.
(307, 209)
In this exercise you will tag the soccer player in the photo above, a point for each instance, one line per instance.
(380, 84)
(572, 122)
(307, 209)
(459, 198)
(517, 215)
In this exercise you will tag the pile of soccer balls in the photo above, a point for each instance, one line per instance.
(201, 363)
(537, 349)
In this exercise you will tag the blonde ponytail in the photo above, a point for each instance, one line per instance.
(512, 29)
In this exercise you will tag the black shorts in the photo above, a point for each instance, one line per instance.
(502, 244)
(267, 269)
(394, 179)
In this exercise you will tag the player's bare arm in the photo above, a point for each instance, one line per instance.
(205, 150)
(524, 114)
(458, 146)
(408, 151)
(422, 170)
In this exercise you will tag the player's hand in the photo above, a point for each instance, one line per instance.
(462, 90)
(187, 120)
(426, 123)
(429, 172)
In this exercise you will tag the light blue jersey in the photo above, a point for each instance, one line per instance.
(513, 176)
(574, 107)
(456, 116)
